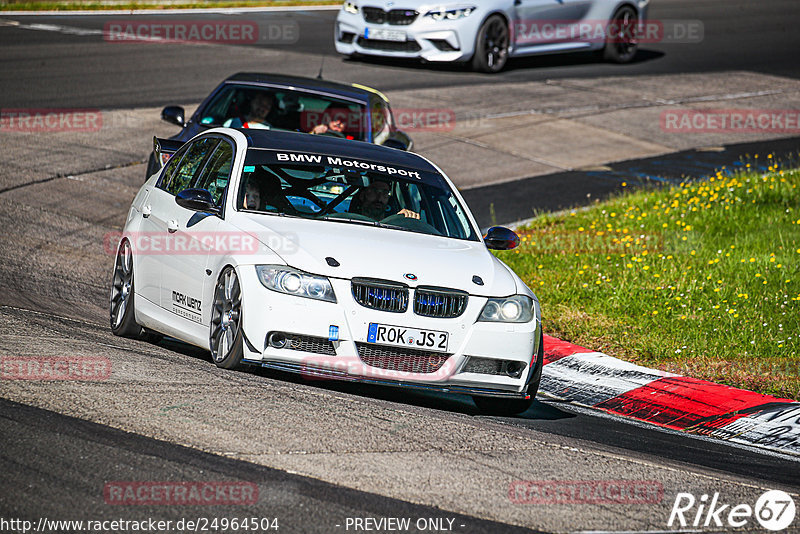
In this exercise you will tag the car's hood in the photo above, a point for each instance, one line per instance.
(366, 251)
(388, 5)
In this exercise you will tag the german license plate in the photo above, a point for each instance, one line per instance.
(411, 338)
(384, 35)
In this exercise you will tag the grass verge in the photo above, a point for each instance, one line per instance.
(700, 279)
(81, 5)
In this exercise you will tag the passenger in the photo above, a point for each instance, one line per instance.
(257, 117)
(252, 195)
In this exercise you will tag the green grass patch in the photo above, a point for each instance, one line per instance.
(76, 5)
(700, 279)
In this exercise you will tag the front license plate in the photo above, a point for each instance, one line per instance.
(384, 35)
(412, 338)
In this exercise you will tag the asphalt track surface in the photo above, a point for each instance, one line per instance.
(46, 68)
(56, 462)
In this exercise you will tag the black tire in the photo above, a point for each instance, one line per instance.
(509, 407)
(225, 334)
(621, 43)
(491, 45)
(122, 312)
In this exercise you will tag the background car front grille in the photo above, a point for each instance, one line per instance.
(395, 17)
(400, 359)
(389, 46)
(439, 302)
(316, 345)
(381, 295)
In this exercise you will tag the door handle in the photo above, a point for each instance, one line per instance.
(172, 226)
(146, 211)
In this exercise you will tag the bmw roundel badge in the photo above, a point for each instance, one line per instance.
(410, 276)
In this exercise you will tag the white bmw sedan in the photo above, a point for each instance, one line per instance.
(487, 33)
(330, 258)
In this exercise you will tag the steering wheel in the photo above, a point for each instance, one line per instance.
(411, 224)
(333, 133)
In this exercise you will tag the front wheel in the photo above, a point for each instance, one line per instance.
(491, 45)
(226, 338)
(621, 42)
(122, 314)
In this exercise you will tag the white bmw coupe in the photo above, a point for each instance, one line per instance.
(487, 33)
(330, 258)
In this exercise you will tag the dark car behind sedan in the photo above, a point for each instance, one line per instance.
(299, 104)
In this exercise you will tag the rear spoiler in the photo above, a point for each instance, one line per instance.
(164, 149)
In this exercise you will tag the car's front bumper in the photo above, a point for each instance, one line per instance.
(426, 39)
(475, 363)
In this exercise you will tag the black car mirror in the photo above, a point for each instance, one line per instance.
(174, 115)
(196, 200)
(501, 238)
(398, 139)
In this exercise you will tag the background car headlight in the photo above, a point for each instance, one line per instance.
(514, 309)
(293, 282)
(350, 7)
(450, 13)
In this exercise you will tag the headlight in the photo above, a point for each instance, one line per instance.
(450, 14)
(293, 282)
(350, 7)
(514, 309)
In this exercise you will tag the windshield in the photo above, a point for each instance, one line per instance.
(342, 190)
(241, 106)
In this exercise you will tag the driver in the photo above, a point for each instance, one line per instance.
(373, 200)
(333, 121)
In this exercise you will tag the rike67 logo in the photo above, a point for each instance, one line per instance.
(774, 510)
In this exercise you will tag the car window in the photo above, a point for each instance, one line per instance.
(381, 120)
(193, 161)
(217, 171)
(412, 200)
(291, 109)
(169, 171)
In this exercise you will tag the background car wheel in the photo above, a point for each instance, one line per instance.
(621, 44)
(491, 45)
(508, 407)
(123, 316)
(227, 345)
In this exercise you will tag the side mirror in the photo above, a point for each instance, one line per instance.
(399, 140)
(174, 115)
(501, 238)
(196, 200)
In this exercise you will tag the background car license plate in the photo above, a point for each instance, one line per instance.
(385, 35)
(412, 338)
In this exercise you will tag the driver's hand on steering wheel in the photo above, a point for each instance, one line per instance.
(408, 214)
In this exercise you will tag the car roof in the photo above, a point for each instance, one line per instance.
(301, 82)
(334, 146)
